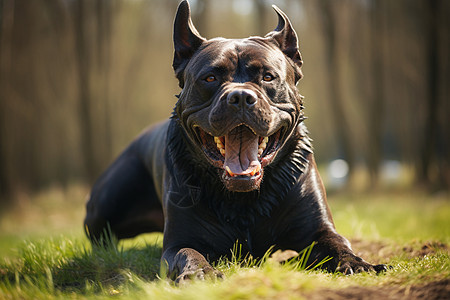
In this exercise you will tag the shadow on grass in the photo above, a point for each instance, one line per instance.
(80, 269)
(111, 266)
(64, 266)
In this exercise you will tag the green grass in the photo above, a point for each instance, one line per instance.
(51, 259)
(401, 216)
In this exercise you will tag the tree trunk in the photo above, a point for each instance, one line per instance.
(261, 17)
(6, 23)
(335, 55)
(201, 17)
(85, 110)
(103, 17)
(377, 101)
(428, 151)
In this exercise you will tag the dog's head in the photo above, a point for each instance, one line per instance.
(239, 103)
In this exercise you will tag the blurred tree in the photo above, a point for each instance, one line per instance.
(92, 23)
(84, 74)
(20, 165)
(6, 22)
(376, 107)
(104, 11)
(334, 33)
(200, 16)
(261, 17)
(79, 78)
(428, 146)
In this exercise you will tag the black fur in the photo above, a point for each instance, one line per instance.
(168, 180)
(202, 183)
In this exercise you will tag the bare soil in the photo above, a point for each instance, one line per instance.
(379, 252)
(429, 291)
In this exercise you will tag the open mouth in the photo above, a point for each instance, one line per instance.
(241, 154)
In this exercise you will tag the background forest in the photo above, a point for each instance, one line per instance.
(79, 79)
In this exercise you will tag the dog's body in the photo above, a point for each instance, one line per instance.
(234, 163)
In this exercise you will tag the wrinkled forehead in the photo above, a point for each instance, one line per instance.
(230, 54)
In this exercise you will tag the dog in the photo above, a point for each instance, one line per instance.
(233, 163)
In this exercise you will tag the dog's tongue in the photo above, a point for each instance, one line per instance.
(241, 152)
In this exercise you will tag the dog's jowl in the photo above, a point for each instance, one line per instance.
(233, 163)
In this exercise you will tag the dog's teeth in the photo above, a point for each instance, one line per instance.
(229, 171)
(263, 145)
(219, 145)
(258, 168)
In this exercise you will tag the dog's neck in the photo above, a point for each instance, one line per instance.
(201, 184)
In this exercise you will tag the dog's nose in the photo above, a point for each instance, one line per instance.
(241, 98)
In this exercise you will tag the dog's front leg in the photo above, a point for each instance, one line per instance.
(186, 264)
(343, 259)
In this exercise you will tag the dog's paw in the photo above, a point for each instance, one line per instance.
(353, 264)
(198, 274)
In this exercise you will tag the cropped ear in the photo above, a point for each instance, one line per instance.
(287, 40)
(186, 40)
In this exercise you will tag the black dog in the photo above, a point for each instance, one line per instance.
(234, 163)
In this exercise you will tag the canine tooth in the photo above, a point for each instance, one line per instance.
(258, 168)
(260, 151)
(219, 145)
(263, 144)
(229, 171)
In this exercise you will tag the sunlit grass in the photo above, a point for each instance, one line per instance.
(400, 216)
(49, 213)
(58, 268)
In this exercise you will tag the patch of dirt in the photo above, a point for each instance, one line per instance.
(379, 252)
(436, 290)
(425, 249)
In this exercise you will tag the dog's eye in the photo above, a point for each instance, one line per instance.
(210, 78)
(268, 77)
